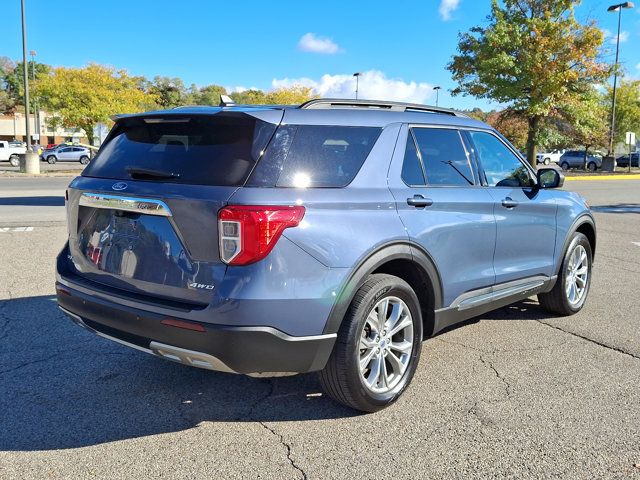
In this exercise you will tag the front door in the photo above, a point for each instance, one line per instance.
(525, 215)
(444, 208)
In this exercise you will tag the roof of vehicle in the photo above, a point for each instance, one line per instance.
(336, 112)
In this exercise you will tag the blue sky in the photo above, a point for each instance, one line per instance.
(403, 46)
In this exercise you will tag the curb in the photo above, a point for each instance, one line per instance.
(583, 178)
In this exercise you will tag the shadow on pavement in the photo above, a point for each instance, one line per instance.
(617, 208)
(44, 201)
(63, 387)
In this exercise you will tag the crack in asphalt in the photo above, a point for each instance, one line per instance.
(507, 385)
(249, 414)
(591, 340)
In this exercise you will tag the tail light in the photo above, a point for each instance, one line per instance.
(248, 233)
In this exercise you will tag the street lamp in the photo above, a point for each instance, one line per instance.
(357, 75)
(36, 112)
(437, 89)
(618, 7)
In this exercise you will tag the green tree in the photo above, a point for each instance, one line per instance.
(84, 97)
(169, 92)
(249, 97)
(627, 108)
(209, 95)
(12, 82)
(533, 55)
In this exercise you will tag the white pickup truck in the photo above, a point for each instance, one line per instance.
(9, 152)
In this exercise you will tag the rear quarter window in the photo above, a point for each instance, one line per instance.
(315, 156)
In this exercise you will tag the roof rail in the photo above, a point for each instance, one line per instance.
(329, 103)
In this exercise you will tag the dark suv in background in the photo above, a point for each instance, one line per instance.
(332, 237)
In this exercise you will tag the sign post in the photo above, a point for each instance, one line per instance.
(631, 141)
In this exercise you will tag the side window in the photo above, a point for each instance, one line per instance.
(412, 173)
(501, 167)
(444, 157)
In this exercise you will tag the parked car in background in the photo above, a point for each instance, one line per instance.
(623, 160)
(66, 153)
(51, 146)
(575, 159)
(543, 158)
(10, 151)
(265, 241)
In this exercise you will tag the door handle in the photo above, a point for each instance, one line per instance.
(509, 203)
(419, 201)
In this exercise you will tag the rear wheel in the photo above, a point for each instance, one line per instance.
(14, 160)
(564, 166)
(592, 167)
(84, 160)
(378, 346)
(51, 159)
(574, 279)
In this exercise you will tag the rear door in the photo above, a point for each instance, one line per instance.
(65, 154)
(143, 215)
(525, 216)
(444, 208)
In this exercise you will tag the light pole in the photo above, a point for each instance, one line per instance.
(437, 89)
(25, 68)
(618, 7)
(357, 75)
(36, 112)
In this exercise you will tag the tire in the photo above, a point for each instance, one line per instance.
(51, 159)
(592, 167)
(84, 160)
(547, 161)
(342, 377)
(14, 160)
(559, 300)
(564, 166)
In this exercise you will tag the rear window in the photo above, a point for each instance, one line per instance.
(217, 149)
(315, 156)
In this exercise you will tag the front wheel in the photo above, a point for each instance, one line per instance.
(592, 167)
(14, 160)
(547, 161)
(51, 160)
(378, 346)
(574, 279)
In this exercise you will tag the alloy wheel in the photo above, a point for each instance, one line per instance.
(386, 344)
(577, 275)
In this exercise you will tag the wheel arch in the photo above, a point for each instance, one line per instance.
(404, 260)
(586, 225)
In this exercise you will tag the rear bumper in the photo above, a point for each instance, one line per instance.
(258, 350)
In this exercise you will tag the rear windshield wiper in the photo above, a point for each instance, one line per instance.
(148, 173)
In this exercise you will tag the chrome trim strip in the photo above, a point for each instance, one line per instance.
(481, 296)
(148, 206)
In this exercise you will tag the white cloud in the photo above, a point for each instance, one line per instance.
(372, 84)
(608, 35)
(447, 7)
(638, 66)
(310, 42)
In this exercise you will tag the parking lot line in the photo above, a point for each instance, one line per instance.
(15, 229)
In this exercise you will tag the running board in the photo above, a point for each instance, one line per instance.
(477, 302)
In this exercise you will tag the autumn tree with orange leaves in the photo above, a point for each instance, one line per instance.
(533, 56)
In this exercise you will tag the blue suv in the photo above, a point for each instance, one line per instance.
(333, 236)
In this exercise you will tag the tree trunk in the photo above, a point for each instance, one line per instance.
(584, 160)
(88, 130)
(534, 125)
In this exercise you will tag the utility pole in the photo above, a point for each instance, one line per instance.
(36, 110)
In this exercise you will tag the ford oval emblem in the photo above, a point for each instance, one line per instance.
(119, 186)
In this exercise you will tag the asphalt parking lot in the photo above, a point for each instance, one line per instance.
(515, 393)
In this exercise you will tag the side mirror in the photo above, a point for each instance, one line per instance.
(550, 178)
